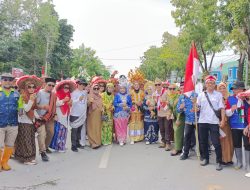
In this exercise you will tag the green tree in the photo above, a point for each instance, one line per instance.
(61, 55)
(160, 61)
(85, 61)
(235, 16)
(199, 22)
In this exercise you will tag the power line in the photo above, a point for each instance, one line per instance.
(106, 59)
(129, 47)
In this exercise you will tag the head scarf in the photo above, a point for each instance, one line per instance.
(65, 108)
(225, 85)
(97, 103)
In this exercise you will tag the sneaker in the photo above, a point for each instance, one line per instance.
(29, 163)
(204, 162)
(132, 142)
(183, 157)
(44, 156)
(121, 143)
(147, 143)
(74, 149)
(218, 167)
(61, 151)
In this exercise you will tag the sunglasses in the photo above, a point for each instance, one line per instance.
(165, 87)
(96, 88)
(66, 87)
(8, 79)
(51, 85)
(171, 88)
(247, 99)
(31, 87)
(157, 84)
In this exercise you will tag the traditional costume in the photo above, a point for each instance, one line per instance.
(94, 119)
(237, 123)
(58, 142)
(178, 119)
(78, 116)
(246, 98)
(107, 115)
(122, 104)
(226, 141)
(25, 150)
(151, 127)
(136, 127)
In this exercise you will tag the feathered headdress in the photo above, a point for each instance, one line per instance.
(136, 76)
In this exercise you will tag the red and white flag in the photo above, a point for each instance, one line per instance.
(192, 71)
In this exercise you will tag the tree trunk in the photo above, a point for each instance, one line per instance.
(241, 66)
(247, 72)
(211, 61)
(204, 57)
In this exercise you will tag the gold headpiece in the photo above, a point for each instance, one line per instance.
(136, 76)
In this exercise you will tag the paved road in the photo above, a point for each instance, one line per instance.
(132, 167)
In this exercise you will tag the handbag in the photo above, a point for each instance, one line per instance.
(217, 112)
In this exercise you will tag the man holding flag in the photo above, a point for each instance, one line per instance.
(209, 103)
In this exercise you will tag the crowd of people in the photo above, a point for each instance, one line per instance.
(106, 111)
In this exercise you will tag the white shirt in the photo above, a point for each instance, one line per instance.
(22, 116)
(79, 107)
(207, 114)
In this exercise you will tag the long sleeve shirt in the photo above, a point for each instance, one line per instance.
(187, 110)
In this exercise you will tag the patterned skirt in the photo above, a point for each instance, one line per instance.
(151, 130)
(25, 150)
(58, 142)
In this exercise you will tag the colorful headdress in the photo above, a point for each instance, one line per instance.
(136, 76)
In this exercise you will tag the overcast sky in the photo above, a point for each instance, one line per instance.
(119, 30)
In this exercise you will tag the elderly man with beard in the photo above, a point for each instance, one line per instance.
(8, 120)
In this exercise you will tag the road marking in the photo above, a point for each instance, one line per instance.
(105, 157)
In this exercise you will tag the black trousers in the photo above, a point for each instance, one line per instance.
(189, 133)
(76, 136)
(213, 129)
(237, 139)
(75, 132)
(165, 129)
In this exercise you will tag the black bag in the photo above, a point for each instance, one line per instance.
(73, 118)
(217, 112)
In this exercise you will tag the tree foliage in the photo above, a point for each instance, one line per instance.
(199, 22)
(160, 61)
(31, 35)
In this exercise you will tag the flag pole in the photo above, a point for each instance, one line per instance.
(196, 119)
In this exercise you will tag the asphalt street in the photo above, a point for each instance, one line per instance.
(138, 166)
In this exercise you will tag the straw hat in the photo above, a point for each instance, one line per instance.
(24, 80)
(72, 85)
(158, 81)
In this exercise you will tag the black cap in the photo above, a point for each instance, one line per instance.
(48, 79)
(81, 81)
(238, 85)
